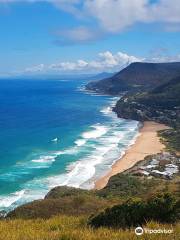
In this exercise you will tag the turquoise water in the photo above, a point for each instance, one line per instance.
(52, 133)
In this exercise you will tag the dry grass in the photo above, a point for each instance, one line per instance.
(74, 228)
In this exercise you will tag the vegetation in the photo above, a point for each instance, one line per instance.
(125, 185)
(76, 202)
(65, 212)
(165, 96)
(63, 191)
(162, 208)
(72, 205)
(162, 105)
(171, 138)
(75, 228)
(137, 77)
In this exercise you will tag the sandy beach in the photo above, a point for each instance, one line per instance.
(147, 143)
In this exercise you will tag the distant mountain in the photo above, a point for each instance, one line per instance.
(101, 76)
(137, 76)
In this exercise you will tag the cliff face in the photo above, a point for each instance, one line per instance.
(137, 76)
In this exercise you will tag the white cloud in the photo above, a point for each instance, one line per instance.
(77, 35)
(162, 54)
(167, 11)
(71, 6)
(116, 15)
(37, 68)
(69, 66)
(112, 16)
(163, 58)
(105, 61)
(118, 59)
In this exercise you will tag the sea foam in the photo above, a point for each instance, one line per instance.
(80, 142)
(98, 131)
(6, 202)
(104, 144)
(44, 159)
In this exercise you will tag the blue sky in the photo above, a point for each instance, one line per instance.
(58, 36)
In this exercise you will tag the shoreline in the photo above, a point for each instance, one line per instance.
(147, 143)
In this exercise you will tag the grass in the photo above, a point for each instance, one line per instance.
(70, 206)
(64, 213)
(75, 202)
(75, 228)
(123, 186)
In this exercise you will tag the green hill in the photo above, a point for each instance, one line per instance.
(162, 105)
(137, 76)
(111, 213)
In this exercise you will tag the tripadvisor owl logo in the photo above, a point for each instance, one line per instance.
(139, 231)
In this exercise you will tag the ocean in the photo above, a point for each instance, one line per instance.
(53, 133)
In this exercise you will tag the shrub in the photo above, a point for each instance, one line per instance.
(124, 186)
(125, 215)
(64, 191)
(71, 205)
(162, 208)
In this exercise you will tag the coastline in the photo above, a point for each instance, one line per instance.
(147, 143)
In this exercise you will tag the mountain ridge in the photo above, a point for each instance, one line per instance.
(137, 76)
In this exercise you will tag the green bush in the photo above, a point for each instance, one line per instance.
(162, 208)
(125, 215)
(64, 191)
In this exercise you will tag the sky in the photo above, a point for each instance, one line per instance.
(86, 36)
